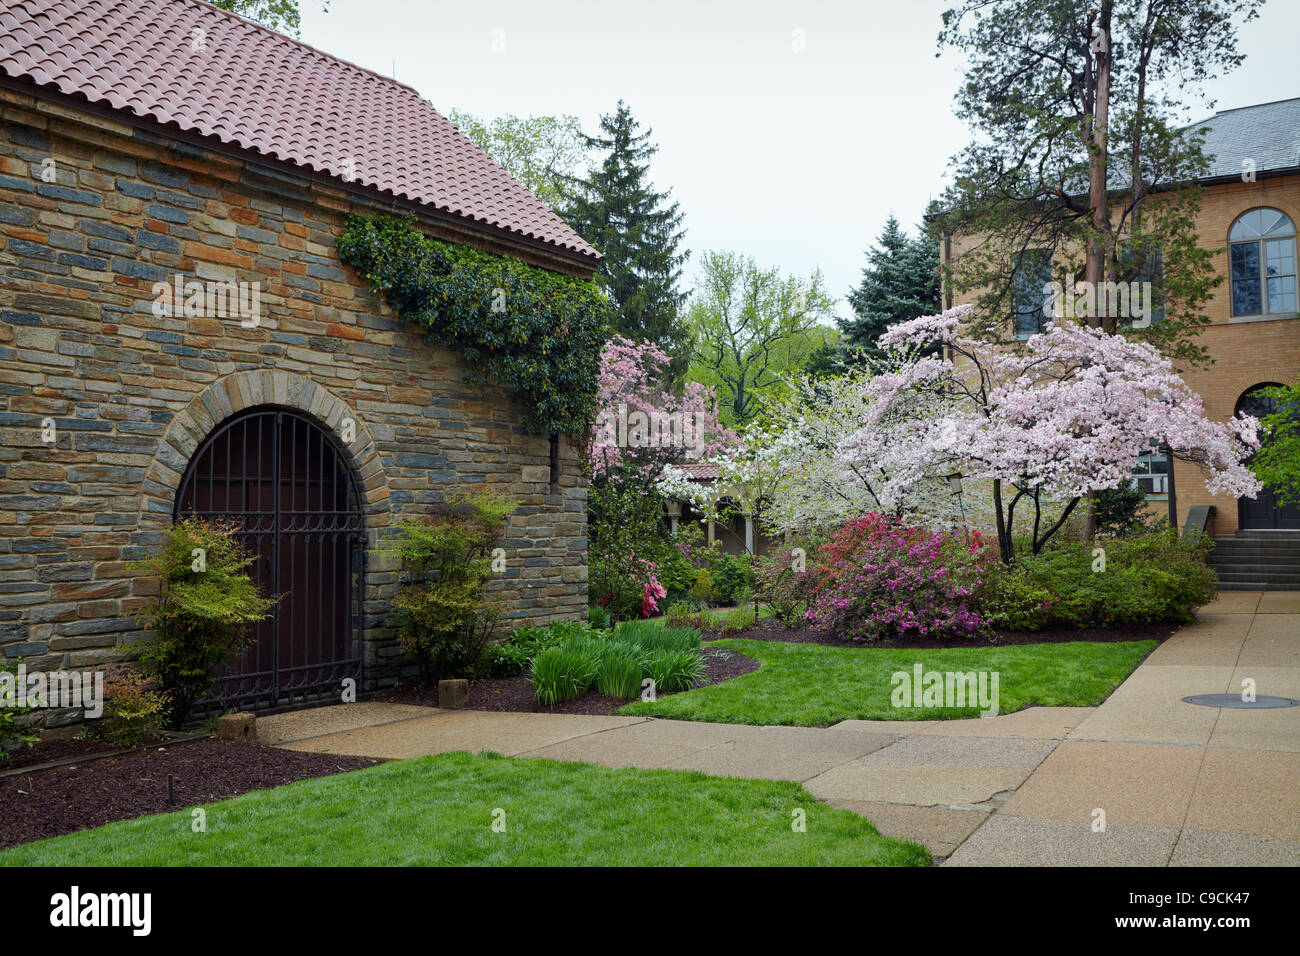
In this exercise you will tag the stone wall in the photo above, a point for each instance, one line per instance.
(93, 213)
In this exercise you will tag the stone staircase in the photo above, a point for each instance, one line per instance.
(1258, 561)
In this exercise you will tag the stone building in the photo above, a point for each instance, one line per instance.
(152, 145)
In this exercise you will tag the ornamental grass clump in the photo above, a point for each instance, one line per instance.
(878, 578)
(617, 663)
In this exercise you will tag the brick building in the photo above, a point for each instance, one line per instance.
(1249, 213)
(149, 145)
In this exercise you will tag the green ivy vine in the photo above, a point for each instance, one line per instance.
(537, 332)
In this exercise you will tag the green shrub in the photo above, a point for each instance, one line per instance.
(1121, 511)
(702, 590)
(735, 621)
(201, 617)
(515, 654)
(1009, 600)
(12, 732)
(442, 615)
(782, 587)
(732, 577)
(1151, 577)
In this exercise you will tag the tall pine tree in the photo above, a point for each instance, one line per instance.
(900, 282)
(638, 231)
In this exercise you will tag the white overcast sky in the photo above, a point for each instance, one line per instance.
(795, 158)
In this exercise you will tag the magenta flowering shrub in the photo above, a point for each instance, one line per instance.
(878, 578)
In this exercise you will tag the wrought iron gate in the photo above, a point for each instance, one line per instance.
(285, 483)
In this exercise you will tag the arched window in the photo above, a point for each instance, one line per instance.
(1262, 259)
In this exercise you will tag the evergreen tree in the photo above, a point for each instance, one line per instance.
(638, 231)
(900, 282)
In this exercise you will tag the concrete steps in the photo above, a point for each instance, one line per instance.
(1258, 561)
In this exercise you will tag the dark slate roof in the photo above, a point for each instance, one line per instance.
(258, 90)
(1268, 133)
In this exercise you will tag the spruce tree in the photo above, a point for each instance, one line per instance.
(900, 282)
(638, 230)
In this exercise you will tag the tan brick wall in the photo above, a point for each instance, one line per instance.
(132, 393)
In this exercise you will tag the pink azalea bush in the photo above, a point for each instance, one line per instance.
(878, 578)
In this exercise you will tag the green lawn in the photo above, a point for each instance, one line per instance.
(440, 810)
(812, 685)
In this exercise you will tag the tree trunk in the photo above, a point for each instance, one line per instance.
(1097, 145)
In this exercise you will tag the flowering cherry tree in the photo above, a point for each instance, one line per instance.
(642, 424)
(1065, 415)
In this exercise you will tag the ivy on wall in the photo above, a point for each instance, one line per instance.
(537, 332)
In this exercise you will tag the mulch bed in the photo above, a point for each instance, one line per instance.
(85, 795)
(517, 694)
(52, 748)
(771, 631)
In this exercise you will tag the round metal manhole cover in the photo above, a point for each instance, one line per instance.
(1262, 702)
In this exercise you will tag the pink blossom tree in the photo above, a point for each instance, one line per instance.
(1064, 415)
(642, 424)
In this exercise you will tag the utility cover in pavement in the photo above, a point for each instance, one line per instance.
(1235, 701)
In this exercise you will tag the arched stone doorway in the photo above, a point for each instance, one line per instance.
(1263, 512)
(288, 486)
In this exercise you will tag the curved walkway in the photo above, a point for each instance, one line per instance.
(1178, 784)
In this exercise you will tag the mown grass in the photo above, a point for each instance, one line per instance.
(813, 685)
(440, 811)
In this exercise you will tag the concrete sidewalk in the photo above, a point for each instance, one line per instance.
(1180, 784)
(1172, 778)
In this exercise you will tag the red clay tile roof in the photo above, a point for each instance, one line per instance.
(256, 89)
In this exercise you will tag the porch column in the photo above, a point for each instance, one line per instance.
(749, 535)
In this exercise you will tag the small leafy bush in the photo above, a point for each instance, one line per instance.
(207, 601)
(783, 587)
(12, 732)
(684, 614)
(702, 590)
(598, 617)
(1009, 599)
(514, 655)
(134, 711)
(732, 577)
(441, 612)
(736, 621)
